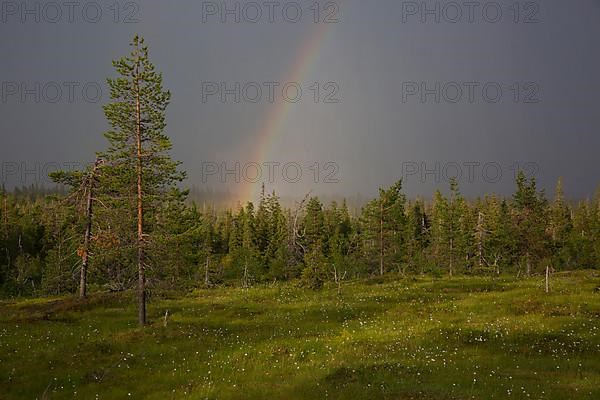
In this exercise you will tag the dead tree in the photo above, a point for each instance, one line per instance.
(295, 244)
(206, 273)
(338, 279)
(89, 186)
(5, 226)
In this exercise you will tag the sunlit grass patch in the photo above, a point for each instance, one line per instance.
(402, 338)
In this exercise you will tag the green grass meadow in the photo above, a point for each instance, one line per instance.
(392, 338)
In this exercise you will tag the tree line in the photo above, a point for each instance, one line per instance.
(43, 238)
(125, 223)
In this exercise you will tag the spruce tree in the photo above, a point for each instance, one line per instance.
(313, 227)
(439, 229)
(559, 226)
(452, 228)
(529, 218)
(276, 254)
(581, 240)
(499, 244)
(417, 234)
(595, 224)
(384, 222)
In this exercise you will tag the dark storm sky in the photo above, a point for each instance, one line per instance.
(375, 53)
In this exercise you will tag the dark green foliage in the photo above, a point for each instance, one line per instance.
(529, 220)
(559, 228)
(313, 228)
(314, 274)
(499, 243)
(417, 236)
(40, 239)
(384, 224)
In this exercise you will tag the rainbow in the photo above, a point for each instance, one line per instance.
(264, 138)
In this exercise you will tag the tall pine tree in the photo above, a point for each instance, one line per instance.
(139, 165)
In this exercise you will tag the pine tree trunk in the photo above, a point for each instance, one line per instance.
(480, 240)
(245, 279)
(381, 238)
(140, 211)
(86, 246)
(421, 245)
(451, 255)
(88, 232)
(5, 219)
(206, 280)
(59, 257)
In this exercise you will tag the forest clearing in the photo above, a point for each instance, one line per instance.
(385, 338)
